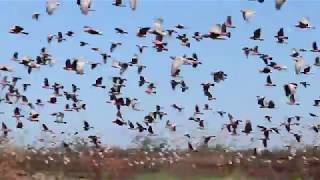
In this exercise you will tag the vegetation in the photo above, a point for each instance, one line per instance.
(81, 161)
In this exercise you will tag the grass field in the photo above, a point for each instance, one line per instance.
(141, 164)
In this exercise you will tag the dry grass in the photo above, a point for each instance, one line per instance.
(92, 163)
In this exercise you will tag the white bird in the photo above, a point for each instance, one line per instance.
(298, 64)
(177, 61)
(59, 117)
(84, 6)
(304, 20)
(133, 4)
(51, 6)
(290, 90)
(115, 64)
(279, 4)
(157, 27)
(247, 14)
(158, 24)
(79, 66)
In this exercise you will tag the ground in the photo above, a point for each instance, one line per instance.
(142, 164)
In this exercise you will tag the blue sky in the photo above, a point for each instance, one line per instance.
(236, 95)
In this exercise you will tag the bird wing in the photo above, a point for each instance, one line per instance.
(317, 60)
(307, 69)
(279, 4)
(247, 14)
(230, 117)
(229, 20)
(190, 146)
(280, 32)
(150, 130)
(291, 88)
(286, 90)
(86, 124)
(314, 45)
(119, 2)
(84, 6)
(223, 28)
(248, 127)
(304, 20)
(216, 29)
(257, 33)
(298, 65)
(51, 5)
(80, 66)
(292, 99)
(4, 126)
(99, 81)
(116, 64)
(45, 128)
(269, 81)
(176, 63)
(294, 52)
(195, 56)
(133, 4)
(265, 102)
(144, 30)
(157, 24)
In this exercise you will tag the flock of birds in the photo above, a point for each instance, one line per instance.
(15, 87)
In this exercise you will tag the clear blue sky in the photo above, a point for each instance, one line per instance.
(236, 95)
